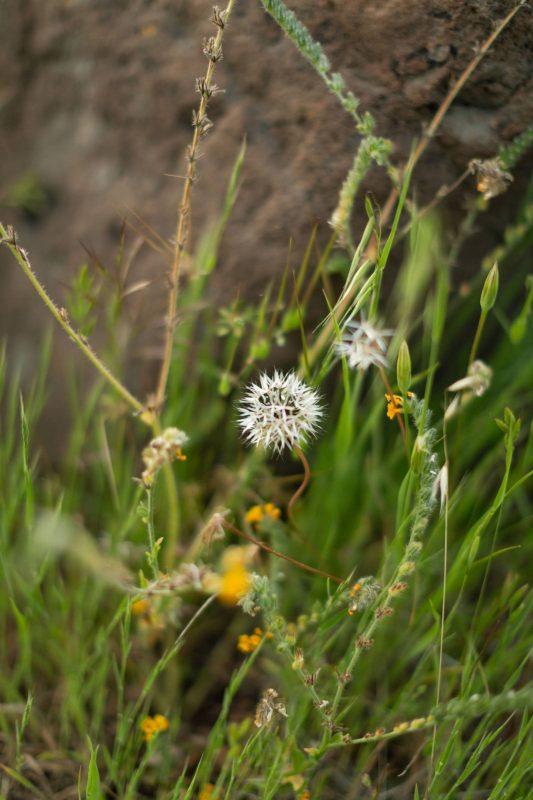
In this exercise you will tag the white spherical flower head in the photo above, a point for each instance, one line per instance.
(280, 411)
(364, 346)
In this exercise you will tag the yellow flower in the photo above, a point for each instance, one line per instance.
(257, 514)
(254, 515)
(140, 607)
(162, 723)
(395, 404)
(234, 584)
(272, 511)
(236, 580)
(206, 792)
(247, 644)
(151, 726)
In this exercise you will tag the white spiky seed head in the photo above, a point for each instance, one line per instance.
(280, 411)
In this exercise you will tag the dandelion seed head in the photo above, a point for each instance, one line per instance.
(280, 411)
(364, 346)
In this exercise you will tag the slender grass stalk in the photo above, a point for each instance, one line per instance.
(8, 237)
(268, 549)
(477, 337)
(213, 52)
(152, 553)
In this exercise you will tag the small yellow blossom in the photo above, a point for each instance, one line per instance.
(272, 511)
(257, 514)
(235, 584)
(206, 792)
(162, 723)
(236, 580)
(247, 644)
(140, 607)
(395, 404)
(254, 515)
(305, 795)
(151, 726)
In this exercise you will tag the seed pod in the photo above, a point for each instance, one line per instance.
(490, 289)
(403, 368)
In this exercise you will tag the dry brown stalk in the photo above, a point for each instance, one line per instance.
(201, 124)
(432, 128)
(268, 549)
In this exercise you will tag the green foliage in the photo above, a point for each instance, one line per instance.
(27, 194)
(109, 609)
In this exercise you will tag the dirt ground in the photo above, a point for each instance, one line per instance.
(96, 100)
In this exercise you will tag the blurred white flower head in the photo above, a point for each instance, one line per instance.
(280, 411)
(364, 346)
(477, 379)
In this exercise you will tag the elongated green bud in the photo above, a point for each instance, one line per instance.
(403, 368)
(490, 289)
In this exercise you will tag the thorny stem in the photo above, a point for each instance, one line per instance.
(303, 485)
(213, 51)
(293, 561)
(442, 110)
(8, 237)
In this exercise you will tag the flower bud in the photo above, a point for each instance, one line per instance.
(403, 368)
(490, 289)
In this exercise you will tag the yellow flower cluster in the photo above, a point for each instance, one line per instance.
(257, 514)
(151, 726)
(206, 792)
(395, 404)
(247, 644)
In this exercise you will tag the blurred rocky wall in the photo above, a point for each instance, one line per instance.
(95, 112)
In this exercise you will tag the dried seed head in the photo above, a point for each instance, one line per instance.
(266, 707)
(381, 613)
(363, 643)
(164, 449)
(492, 179)
(213, 530)
(477, 379)
(397, 588)
(363, 345)
(280, 411)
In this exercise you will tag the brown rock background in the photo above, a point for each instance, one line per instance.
(96, 99)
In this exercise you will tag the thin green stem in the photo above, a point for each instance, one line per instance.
(8, 237)
(152, 554)
(477, 337)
